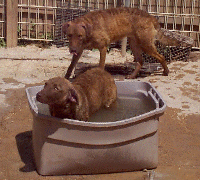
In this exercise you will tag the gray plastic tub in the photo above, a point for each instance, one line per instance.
(66, 146)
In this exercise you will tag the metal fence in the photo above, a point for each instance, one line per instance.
(181, 16)
(37, 18)
(2, 19)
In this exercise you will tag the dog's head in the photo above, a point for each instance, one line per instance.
(77, 34)
(57, 91)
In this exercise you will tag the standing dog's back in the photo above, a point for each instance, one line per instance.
(117, 23)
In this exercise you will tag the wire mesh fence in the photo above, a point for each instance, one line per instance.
(182, 16)
(37, 18)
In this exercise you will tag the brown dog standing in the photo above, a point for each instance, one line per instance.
(81, 98)
(98, 29)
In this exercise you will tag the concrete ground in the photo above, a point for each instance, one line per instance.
(179, 135)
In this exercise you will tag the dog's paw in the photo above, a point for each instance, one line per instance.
(165, 73)
(131, 76)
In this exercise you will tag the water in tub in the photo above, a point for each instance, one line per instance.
(125, 107)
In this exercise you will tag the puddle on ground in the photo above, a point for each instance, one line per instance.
(125, 107)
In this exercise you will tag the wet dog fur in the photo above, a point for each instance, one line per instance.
(97, 29)
(84, 96)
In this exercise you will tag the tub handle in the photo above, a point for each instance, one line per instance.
(153, 96)
(33, 104)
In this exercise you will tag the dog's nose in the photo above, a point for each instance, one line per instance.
(73, 51)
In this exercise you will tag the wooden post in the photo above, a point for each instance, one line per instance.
(124, 40)
(11, 22)
(123, 46)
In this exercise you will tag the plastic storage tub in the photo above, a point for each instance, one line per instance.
(66, 146)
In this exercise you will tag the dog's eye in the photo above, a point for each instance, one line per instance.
(69, 35)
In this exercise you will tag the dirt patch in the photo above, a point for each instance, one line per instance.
(179, 137)
(180, 76)
(190, 71)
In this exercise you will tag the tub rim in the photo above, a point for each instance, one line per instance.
(153, 113)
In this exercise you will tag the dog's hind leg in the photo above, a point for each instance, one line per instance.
(137, 53)
(147, 40)
(152, 51)
(75, 59)
(111, 97)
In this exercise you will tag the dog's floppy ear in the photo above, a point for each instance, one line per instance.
(73, 96)
(88, 28)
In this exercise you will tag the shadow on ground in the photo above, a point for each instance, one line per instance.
(25, 149)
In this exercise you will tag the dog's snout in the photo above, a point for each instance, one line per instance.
(73, 51)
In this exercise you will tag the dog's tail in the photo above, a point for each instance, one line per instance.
(170, 38)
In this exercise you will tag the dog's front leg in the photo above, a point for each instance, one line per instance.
(75, 59)
(102, 57)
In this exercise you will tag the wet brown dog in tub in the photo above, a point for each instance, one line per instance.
(89, 92)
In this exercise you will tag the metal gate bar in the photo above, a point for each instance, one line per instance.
(2, 19)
